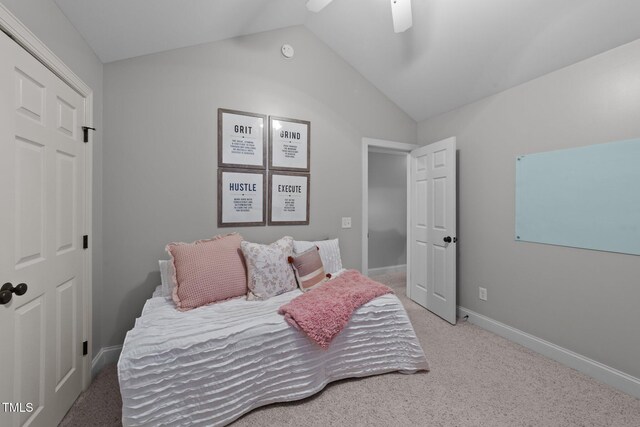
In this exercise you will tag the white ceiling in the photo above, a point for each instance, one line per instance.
(457, 52)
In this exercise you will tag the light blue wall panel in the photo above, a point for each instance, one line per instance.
(587, 197)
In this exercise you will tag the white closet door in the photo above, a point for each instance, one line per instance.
(433, 228)
(42, 175)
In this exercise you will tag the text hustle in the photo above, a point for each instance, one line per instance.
(243, 186)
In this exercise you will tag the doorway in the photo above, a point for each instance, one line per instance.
(387, 231)
(430, 220)
(390, 148)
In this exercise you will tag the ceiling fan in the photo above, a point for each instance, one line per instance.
(400, 11)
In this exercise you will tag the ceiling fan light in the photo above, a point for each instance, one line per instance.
(317, 5)
(401, 13)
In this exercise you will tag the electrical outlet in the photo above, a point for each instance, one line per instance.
(346, 222)
(482, 293)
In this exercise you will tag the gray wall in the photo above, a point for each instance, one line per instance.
(48, 23)
(585, 301)
(160, 158)
(387, 210)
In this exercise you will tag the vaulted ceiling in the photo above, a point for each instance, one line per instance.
(458, 51)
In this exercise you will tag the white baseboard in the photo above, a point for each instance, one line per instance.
(386, 270)
(594, 369)
(105, 356)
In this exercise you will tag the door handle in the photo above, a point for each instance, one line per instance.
(7, 291)
(447, 239)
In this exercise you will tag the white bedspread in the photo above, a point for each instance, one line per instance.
(210, 365)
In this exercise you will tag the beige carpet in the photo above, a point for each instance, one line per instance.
(476, 379)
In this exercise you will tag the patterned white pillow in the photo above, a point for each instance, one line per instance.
(268, 270)
(329, 253)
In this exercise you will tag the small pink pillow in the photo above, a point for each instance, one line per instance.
(308, 269)
(207, 271)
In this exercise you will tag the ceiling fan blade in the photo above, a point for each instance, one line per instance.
(401, 12)
(317, 5)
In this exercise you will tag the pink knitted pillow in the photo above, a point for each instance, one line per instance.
(207, 271)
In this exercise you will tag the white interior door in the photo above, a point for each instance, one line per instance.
(42, 175)
(433, 228)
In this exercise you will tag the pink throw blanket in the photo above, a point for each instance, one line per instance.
(324, 311)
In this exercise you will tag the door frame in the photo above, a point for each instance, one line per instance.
(390, 147)
(28, 41)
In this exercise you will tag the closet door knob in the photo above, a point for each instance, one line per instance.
(7, 291)
(5, 297)
(447, 239)
(21, 289)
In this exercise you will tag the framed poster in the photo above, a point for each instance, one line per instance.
(289, 147)
(241, 197)
(289, 198)
(242, 141)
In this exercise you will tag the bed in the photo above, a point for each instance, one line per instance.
(212, 364)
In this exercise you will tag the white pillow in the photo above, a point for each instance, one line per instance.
(329, 253)
(166, 278)
(268, 270)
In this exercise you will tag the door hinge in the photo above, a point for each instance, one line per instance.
(85, 348)
(85, 241)
(85, 130)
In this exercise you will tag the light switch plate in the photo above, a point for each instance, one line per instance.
(346, 222)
